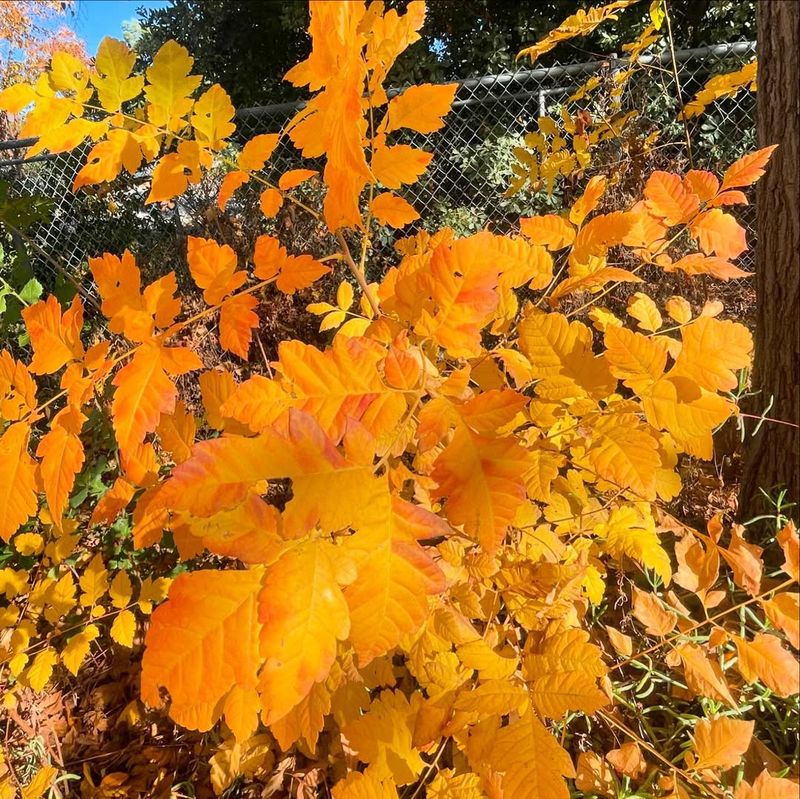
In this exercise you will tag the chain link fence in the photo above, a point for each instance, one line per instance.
(463, 188)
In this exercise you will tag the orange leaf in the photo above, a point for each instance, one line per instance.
(420, 108)
(55, 338)
(202, 646)
(269, 257)
(389, 598)
(112, 502)
(257, 151)
(270, 202)
(231, 182)
(748, 169)
(699, 264)
(668, 198)
(765, 660)
(650, 611)
(394, 166)
(294, 177)
(61, 453)
(482, 481)
(391, 210)
(302, 614)
(237, 320)
(144, 391)
(213, 268)
(17, 480)
(790, 544)
(107, 159)
(721, 742)
(299, 272)
(628, 760)
(703, 675)
(550, 230)
(719, 233)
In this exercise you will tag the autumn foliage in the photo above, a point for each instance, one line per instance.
(416, 528)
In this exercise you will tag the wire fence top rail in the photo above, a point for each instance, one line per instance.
(464, 187)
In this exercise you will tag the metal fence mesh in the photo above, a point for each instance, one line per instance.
(463, 187)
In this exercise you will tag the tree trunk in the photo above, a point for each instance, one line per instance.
(772, 456)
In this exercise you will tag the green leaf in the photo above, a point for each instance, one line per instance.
(31, 291)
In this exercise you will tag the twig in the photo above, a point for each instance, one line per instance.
(357, 273)
(678, 82)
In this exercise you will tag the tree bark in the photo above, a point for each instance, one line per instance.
(772, 456)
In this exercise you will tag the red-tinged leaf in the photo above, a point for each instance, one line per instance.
(302, 614)
(294, 177)
(299, 272)
(719, 233)
(202, 646)
(748, 169)
(55, 338)
(398, 165)
(17, 480)
(481, 480)
(237, 320)
(668, 198)
(230, 183)
(270, 202)
(112, 502)
(391, 210)
(61, 453)
(732, 197)
(704, 184)
(213, 268)
(389, 598)
(257, 151)
(699, 264)
(420, 108)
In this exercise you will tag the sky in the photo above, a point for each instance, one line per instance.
(95, 19)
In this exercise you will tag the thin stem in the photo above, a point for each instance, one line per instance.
(677, 81)
(357, 273)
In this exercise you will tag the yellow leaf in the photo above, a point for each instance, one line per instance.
(169, 85)
(40, 671)
(93, 582)
(721, 742)
(644, 310)
(420, 108)
(41, 783)
(112, 79)
(121, 590)
(389, 598)
(344, 295)
(364, 786)
(624, 451)
(212, 116)
(382, 737)
(529, 759)
(679, 310)
(28, 543)
(123, 628)
(77, 648)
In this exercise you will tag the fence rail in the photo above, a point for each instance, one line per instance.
(463, 188)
